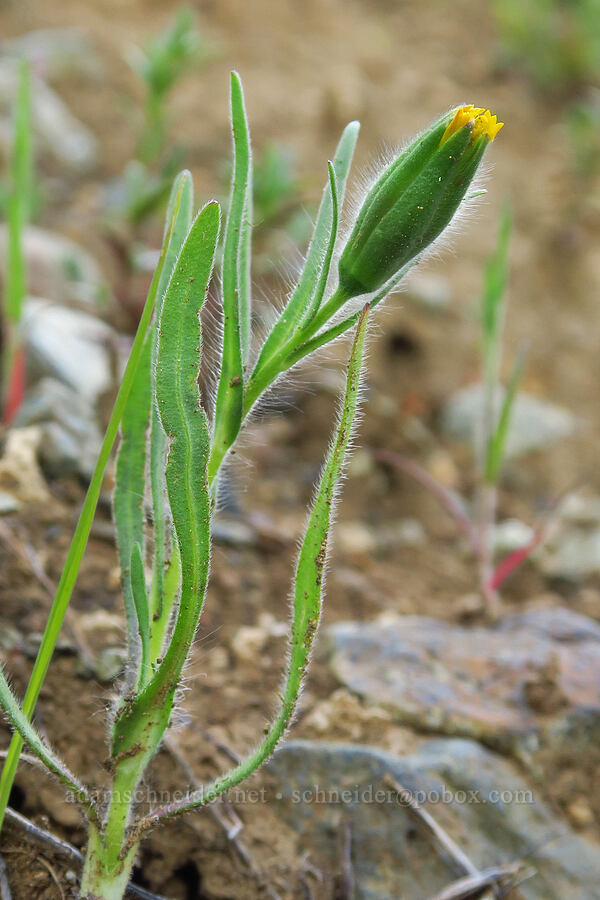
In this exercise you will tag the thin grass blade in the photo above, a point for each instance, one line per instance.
(497, 444)
(18, 214)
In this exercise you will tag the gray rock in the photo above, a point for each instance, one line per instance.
(68, 345)
(71, 439)
(508, 685)
(10, 637)
(511, 535)
(581, 509)
(477, 797)
(59, 269)
(110, 662)
(574, 555)
(8, 503)
(432, 292)
(57, 131)
(535, 425)
(233, 532)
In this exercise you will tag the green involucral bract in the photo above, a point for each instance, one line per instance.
(409, 206)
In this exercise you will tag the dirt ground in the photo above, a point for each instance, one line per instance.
(308, 68)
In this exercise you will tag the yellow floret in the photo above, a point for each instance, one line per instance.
(481, 120)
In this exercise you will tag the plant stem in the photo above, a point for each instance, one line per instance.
(486, 518)
(105, 875)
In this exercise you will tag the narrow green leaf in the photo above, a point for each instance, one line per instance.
(308, 594)
(321, 285)
(497, 444)
(186, 426)
(140, 599)
(160, 621)
(180, 210)
(235, 282)
(318, 258)
(179, 213)
(130, 483)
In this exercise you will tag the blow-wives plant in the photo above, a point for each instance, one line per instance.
(172, 452)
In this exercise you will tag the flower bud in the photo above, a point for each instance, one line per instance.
(415, 198)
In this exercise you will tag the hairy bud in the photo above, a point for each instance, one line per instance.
(415, 198)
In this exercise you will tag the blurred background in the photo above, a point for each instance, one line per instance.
(124, 95)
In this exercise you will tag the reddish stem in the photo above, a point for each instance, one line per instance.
(15, 388)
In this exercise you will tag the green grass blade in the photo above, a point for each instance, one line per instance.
(308, 593)
(79, 542)
(236, 285)
(186, 426)
(18, 211)
(497, 444)
(19, 203)
(179, 213)
(318, 257)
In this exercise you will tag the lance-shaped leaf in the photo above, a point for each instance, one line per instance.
(180, 211)
(235, 283)
(170, 593)
(140, 600)
(142, 722)
(307, 602)
(128, 495)
(308, 293)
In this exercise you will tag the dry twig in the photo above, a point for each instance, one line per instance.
(53, 875)
(503, 877)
